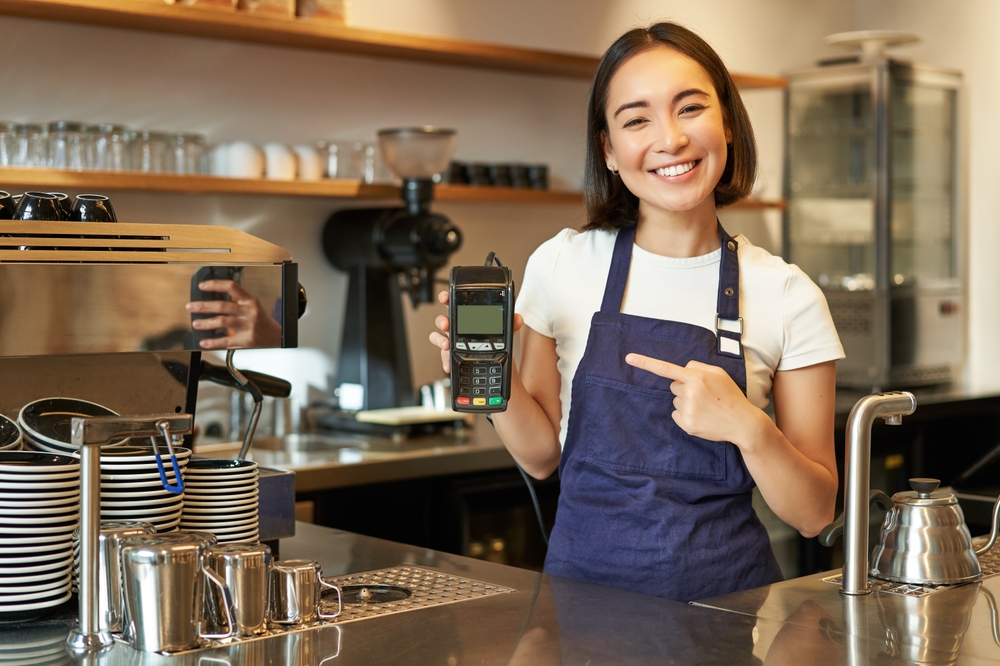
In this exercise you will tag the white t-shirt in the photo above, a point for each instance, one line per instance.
(786, 320)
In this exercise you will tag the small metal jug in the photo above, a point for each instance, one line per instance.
(295, 592)
(164, 575)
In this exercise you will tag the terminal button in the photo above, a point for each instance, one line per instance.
(479, 402)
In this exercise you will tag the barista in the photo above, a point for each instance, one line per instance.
(652, 340)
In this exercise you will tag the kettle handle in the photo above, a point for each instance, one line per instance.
(830, 533)
(227, 603)
(993, 530)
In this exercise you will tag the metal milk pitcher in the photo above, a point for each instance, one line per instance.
(164, 577)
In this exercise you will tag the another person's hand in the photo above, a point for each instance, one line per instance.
(440, 338)
(707, 402)
(247, 323)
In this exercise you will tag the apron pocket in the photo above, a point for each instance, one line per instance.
(631, 429)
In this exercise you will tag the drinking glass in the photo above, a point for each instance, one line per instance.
(186, 151)
(30, 146)
(149, 151)
(67, 145)
(8, 143)
(109, 149)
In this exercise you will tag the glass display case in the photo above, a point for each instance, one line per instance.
(873, 216)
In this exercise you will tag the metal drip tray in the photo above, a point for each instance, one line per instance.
(989, 563)
(401, 589)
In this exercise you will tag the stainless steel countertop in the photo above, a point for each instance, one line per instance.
(808, 621)
(550, 620)
(324, 460)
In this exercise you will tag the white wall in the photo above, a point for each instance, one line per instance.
(230, 90)
(962, 34)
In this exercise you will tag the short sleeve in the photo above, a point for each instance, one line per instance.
(532, 300)
(810, 336)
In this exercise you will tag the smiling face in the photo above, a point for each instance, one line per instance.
(667, 136)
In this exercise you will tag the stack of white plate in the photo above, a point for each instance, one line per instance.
(46, 423)
(39, 509)
(10, 435)
(131, 488)
(221, 497)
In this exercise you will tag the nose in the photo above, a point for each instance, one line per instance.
(672, 137)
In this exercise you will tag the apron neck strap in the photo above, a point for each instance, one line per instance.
(614, 289)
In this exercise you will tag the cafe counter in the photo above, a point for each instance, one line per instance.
(535, 619)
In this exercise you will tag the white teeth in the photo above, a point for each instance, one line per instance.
(675, 170)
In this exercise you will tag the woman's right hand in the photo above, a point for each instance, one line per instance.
(441, 339)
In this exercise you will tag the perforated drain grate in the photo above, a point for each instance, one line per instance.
(427, 588)
(989, 564)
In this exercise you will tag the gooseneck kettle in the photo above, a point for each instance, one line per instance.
(924, 539)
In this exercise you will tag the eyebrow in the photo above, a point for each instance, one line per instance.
(642, 104)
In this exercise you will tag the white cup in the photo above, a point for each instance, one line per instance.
(245, 160)
(310, 163)
(280, 162)
(218, 160)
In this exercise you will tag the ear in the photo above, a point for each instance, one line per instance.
(609, 152)
(729, 136)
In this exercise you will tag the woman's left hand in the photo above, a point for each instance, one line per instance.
(707, 402)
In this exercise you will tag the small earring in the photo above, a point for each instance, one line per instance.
(612, 169)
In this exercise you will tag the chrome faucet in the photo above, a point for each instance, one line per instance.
(88, 435)
(892, 407)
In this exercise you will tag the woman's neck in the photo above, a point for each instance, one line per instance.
(678, 234)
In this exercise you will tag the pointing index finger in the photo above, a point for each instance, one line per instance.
(658, 367)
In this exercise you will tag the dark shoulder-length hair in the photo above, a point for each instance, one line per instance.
(610, 205)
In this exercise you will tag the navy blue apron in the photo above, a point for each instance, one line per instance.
(643, 505)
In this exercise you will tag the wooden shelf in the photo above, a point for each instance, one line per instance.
(16, 178)
(319, 35)
(104, 181)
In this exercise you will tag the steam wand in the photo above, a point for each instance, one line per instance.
(246, 384)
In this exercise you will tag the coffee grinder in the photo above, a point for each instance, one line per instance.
(386, 252)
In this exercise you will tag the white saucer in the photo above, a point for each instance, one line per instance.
(195, 483)
(38, 486)
(41, 495)
(32, 478)
(213, 525)
(8, 520)
(43, 576)
(137, 512)
(250, 500)
(198, 513)
(225, 491)
(54, 537)
(162, 492)
(36, 552)
(30, 568)
(155, 501)
(37, 605)
(237, 538)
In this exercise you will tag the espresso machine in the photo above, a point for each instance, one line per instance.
(873, 213)
(97, 312)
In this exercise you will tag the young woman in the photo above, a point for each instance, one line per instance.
(651, 342)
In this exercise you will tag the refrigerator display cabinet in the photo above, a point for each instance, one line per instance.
(873, 215)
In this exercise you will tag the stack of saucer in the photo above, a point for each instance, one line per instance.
(131, 488)
(39, 505)
(221, 498)
(10, 435)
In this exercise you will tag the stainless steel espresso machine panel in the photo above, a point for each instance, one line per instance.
(873, 215)
(73, 288)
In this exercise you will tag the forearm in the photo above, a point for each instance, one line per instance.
(528, 431)
(800, 491)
